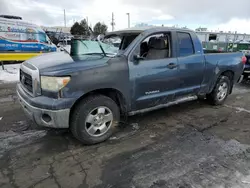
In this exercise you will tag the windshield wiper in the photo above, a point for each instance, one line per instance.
(98, 42)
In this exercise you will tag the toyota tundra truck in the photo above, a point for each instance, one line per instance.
(90, 88)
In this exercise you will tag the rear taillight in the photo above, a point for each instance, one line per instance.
(244, 59)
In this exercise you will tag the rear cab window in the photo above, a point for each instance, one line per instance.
(185, 43)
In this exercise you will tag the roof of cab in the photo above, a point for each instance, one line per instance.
(149, 28)
(16, 21)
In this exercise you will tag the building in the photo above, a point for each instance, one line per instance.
(57, 29)
(58, 33)
(206, 36)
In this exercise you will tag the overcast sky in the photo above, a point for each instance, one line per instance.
(227, 15)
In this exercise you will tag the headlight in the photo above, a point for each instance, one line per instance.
(54, 83)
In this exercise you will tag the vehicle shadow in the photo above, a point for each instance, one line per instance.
(134, 124)
(140, 127)
(245, 82)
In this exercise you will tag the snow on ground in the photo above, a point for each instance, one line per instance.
(10, 73)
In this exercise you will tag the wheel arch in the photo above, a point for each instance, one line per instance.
(112, 93)
(229, 73)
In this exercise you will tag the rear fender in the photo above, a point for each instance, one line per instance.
(218, 71)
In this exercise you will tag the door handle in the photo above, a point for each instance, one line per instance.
(172, 65)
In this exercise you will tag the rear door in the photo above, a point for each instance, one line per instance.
(191, 64)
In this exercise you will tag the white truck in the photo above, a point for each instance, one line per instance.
(17, 35)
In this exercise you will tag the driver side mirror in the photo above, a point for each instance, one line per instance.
(137, 57)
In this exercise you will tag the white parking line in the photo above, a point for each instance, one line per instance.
(239, 109)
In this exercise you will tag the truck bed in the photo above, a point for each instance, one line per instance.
(226, 58)
(219, 62)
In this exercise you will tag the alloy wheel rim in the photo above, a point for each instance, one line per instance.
(222, 91)
(99, 121)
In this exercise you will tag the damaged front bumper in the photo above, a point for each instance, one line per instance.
(58, 118)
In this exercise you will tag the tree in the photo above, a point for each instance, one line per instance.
(85, 27)
(100, 28)
(76, 29)
(80, 28)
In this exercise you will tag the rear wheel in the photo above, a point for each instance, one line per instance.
(220, 91)
(94, 119)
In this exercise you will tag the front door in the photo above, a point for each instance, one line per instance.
(154, 72)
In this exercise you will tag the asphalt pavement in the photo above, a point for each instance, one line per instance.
(191, 145)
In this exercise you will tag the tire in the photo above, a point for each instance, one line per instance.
(97, 109)
(214, 97)
(245, 76)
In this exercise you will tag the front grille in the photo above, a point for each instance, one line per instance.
(26, 81)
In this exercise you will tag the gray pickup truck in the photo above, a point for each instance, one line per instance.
(90, 88)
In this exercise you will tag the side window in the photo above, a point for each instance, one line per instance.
(31, 36)
(186, 47)
(155, 46)
(127, 40)
(42, 37)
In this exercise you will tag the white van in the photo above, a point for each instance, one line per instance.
(19, 36)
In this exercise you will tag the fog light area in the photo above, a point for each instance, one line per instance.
(46, 118)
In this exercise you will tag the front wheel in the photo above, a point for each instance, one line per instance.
(94, 119)
(220, 91)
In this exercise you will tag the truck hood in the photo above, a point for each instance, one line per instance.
(57, 63)
(50, 59)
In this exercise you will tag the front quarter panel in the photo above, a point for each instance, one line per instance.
(111, 74)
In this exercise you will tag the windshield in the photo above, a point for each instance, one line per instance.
(89, 47)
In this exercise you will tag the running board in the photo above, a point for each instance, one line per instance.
(178, 101)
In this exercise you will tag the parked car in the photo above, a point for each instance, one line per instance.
(89, 89)
(64, 45)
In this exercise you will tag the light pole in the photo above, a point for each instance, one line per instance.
(128, 20)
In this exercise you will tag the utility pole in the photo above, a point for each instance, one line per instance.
(64, 18)
(128, 20)
(87, 19)
(113, 22)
